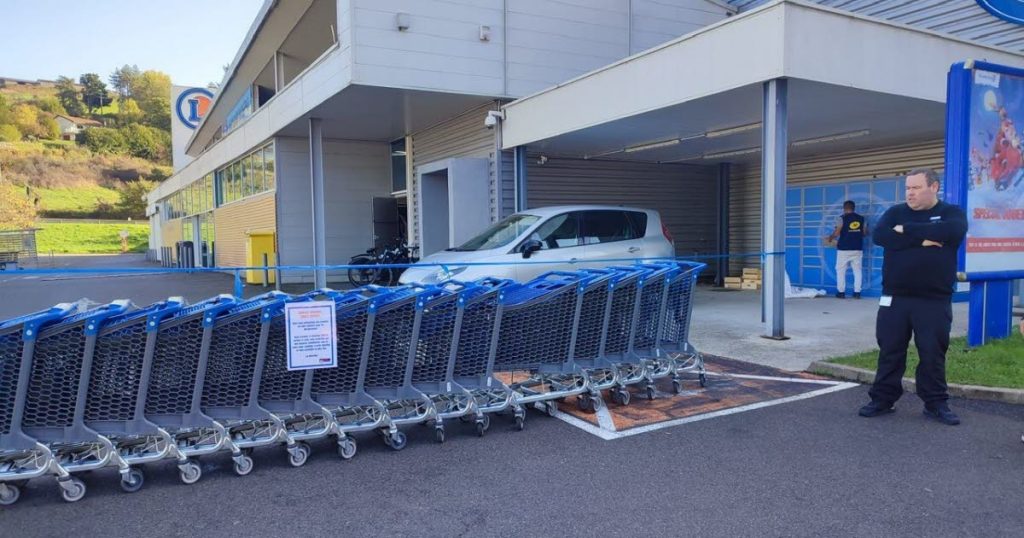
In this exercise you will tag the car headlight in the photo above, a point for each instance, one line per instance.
(448, 273)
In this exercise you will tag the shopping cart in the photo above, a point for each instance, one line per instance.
(645, 341)
(21, 456)
(623, 306)
(173, 387)
(288, 393)
(113, 408)
(231, 380)
(675, 336)
(585, 349)
(538, 322)
(475, 343)
(389, 355)
(340, 390)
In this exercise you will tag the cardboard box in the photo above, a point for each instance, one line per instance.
(751, 285)
(733, 280)
(752, 271)
(733, 286)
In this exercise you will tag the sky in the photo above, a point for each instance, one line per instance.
(190, 40)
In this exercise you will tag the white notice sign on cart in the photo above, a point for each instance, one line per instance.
(312, 337)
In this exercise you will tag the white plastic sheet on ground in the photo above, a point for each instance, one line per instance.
(799, 293)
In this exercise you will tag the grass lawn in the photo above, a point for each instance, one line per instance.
(997, 364)
(82, 200)
(90, 238)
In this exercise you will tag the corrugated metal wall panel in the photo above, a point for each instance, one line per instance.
(683, 194)
(745, 184)
(461, 136)
(233, 222)
(961, 18)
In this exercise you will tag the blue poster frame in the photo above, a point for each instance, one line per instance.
(991, 300)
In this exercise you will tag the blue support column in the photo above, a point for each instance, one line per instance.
(316, 175)
(520, 170)
(990, 311)
(773, 206)
(722, 187)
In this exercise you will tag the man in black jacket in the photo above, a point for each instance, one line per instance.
(921, 240)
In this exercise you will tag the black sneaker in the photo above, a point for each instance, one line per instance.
(856, 295)
(875, 409)
(943, 414)
(840, 295)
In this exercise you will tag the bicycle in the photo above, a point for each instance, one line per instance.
(374, 273)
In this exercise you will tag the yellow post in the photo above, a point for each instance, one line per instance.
(258, 244)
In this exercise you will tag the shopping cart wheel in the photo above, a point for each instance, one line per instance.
(190, 472)
(650, 392)
(482, 425)
(297, 456)
(677, 387)
(439, 434)
(72, 489)
(550, 408)
(397, 441)
(621, 396)
(703, 380)
(133, 481)
(243, 465)
(583, 403)
(9, 494)
(347, 448)
(520, 422)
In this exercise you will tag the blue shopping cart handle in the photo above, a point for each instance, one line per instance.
(32, 322)
(96, 318)
(145, 311)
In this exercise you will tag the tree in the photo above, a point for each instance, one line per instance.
(145, 142)
(5, 113)
(26, 119)
(153, 92)
(132, 202)
(67, 93)
(9, 133)
(50, 104)
(49, 128)
(104, 140)
(129, 112)
(123, 79)
(94, 91)
(16, 211)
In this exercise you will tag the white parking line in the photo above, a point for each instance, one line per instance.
(608, 432)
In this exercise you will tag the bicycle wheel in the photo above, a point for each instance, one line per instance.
(362, 276)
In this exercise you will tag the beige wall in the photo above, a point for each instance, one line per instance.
(234, 221)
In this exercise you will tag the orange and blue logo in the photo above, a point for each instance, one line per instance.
(192, 105)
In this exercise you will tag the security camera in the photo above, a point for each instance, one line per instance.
(493, 117)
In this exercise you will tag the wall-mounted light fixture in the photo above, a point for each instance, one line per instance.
(402, 21)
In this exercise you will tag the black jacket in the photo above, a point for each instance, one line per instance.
(910, 269)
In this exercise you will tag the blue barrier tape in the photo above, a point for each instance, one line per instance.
(237, 270)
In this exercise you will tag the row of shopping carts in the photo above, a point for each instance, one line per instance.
(121, 386)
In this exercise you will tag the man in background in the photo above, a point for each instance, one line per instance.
(850, 230)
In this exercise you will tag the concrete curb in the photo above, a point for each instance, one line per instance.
(973, 392)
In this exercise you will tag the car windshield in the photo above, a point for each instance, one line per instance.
(500, 234)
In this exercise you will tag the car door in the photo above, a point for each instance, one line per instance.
(610, 238)
(560, 239)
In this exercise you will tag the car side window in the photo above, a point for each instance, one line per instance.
(606, 226)
(639, 220)
(560, 231)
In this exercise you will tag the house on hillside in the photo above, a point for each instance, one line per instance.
(71, 126)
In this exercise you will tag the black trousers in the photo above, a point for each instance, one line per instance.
(929, 320)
